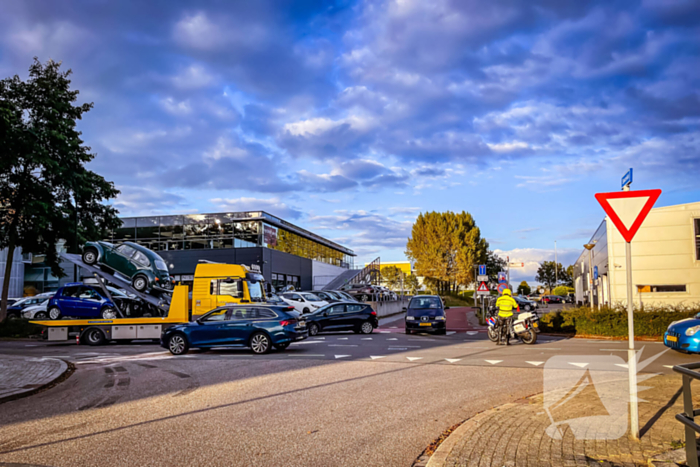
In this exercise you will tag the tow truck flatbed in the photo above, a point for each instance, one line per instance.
(96, 331)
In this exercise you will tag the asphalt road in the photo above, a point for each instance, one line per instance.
(336, 400)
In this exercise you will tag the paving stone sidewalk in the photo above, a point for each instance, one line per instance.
(20, 375)
(515, 434)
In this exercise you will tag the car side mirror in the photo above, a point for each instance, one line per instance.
(447, 308)
(404, 309)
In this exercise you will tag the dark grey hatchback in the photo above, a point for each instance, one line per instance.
(426, 313)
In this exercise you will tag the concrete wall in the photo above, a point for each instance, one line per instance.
(389, 308)
(324, 273)
(16, 289)
(663, 253)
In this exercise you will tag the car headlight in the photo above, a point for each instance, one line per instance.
(692, 331)
(410, 318)
(440, 318)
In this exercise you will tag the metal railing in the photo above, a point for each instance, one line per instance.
(369, 274)
(687, 418)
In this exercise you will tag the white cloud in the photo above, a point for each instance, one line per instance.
(192, 77)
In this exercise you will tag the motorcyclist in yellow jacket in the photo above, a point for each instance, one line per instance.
(505, 304)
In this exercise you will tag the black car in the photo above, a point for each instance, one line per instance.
(553, 299)
(426, 313)
(362, 292)
(346, 316)
(525, 304)
(344, 296)
(327, 296)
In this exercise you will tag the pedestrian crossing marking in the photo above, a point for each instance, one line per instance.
(374, 357)
(493, 362)
(580, 365)
(535, 363)
(472, 333)
(341, 356)
(414, 358)
(453, 360)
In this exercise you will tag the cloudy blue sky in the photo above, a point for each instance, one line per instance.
(350, 118)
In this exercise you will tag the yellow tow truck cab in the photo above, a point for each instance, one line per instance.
(220, 284)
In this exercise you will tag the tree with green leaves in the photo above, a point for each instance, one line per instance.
(567, 276)
(494, 265)
(391, 276)
(524, 288)
(547, 274)
(411, 284)
(446, 247)
(46, 193)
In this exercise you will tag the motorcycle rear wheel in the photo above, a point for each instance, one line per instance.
(530, 337)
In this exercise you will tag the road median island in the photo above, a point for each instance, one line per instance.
(24, 376)
(515, 434)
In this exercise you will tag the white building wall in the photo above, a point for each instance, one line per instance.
(323, 273)
(663, 253)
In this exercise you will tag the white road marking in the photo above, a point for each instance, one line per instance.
(319, 338)
(384, 332)
(308, 355)
(580, 365)
(535, 363)
(613, 350)
(472, 333)
(392, 339)
(374, 357)
(449, 333)
(366, 339)
(493, 362)
(342, 345)
(397, 348)
(342, 338)
(307, 342)
(394, 327)
(453, 360)
(341, 356)
(414, 358)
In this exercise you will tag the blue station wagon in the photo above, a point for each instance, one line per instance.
(259, 327)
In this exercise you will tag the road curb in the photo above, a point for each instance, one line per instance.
(67, 370)
(440, 455)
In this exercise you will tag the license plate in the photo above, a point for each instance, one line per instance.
(536, 324)
(425, 324)
(672, 338)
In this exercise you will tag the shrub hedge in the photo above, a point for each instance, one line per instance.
(612, 322)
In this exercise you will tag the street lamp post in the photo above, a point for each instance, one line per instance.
(589, 247)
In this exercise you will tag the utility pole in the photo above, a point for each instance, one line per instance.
(556, 265)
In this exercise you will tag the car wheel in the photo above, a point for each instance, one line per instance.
(363, 298)
(109, 313)
(90, 256)
(260, 343)
(528, 308)
(366, 328)
(306, 310)
(407, 331)
(140, 283)
(313, 329)
(12, 317)
(55, 313)
(41, 315)
(94, 336)
(282, 346)
(178, 345)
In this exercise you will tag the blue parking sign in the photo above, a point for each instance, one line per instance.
(595, 272)
(482, 269)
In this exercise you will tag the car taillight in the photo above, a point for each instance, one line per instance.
(288, 322)
(373, 313)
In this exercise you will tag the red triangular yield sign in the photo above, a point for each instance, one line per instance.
(628, 209)
(482, 287)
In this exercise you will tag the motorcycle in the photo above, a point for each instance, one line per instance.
(524, 326)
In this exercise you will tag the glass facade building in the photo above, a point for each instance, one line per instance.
(230, 230)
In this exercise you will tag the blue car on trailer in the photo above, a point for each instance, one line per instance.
(79, 300)
(260, 327)
(684, 335)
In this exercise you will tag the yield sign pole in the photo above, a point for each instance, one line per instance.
(627, 210)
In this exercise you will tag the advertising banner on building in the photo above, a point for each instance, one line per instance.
(270, 236)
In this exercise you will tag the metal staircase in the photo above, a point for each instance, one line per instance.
(368, 275)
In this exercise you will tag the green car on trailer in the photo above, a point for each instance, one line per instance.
(144, 268)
